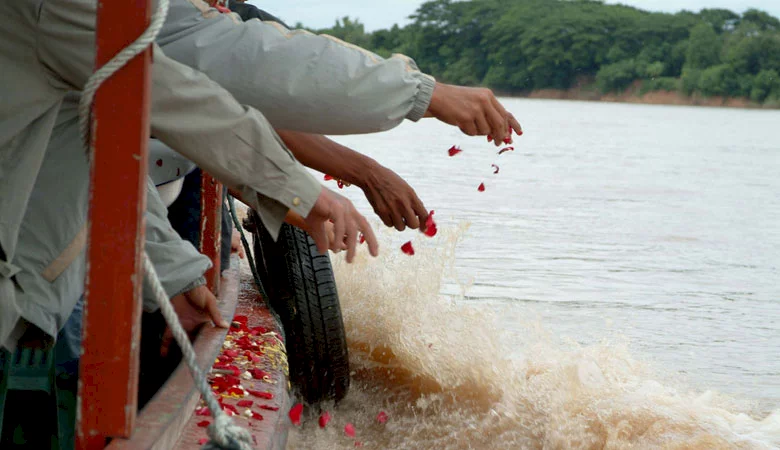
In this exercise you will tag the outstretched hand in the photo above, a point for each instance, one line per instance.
(347, 224)
(476, 111)
(393, 200)
(194, 308)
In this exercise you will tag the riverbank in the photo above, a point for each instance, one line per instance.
(635, 95)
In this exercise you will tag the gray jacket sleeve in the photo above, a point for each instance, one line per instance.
(191, 114)
(179, 266)
(300, 81)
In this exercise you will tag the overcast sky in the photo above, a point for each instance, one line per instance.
(376, 14)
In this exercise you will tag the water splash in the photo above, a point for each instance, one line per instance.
(441, 369)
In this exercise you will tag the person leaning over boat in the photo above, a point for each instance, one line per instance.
(318, 84)
(46, 50)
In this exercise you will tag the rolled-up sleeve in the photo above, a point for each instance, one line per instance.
(299, 80)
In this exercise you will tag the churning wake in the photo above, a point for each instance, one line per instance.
(449, 377)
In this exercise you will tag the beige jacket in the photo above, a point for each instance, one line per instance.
(46, 50)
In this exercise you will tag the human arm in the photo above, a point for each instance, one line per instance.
(393, 200)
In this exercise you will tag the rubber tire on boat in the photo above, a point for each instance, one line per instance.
(302, 290)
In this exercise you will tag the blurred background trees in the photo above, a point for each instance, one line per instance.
(516, 46)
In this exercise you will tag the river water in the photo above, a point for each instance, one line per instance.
(616, 285)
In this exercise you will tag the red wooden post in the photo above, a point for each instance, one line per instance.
(211, 227)
(109, 363)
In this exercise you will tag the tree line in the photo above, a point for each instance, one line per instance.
(517, 46)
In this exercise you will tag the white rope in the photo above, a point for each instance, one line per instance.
(116, 63)
(224, 433)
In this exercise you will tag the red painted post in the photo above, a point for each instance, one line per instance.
(211, 227)
(109, 363)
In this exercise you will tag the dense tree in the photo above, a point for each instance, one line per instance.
(516, 46)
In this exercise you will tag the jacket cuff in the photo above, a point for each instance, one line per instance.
(423, 98)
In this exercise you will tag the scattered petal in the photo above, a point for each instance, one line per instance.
(269, 407)
(203, 441)
(295, 414)
(506, 149)
(489, 138)
(246, 376)
(358, 444)
(257, 416)
(324, 419)
(260, 374)
(381, 417)
(245, 403)
(454, 150)
(328, 178)
(362, 238)
(407, 248)
(494, 167)
(204, 424)
(349, 430)
(340, 184)
(204, 411)
(430, 226)
(248, 412)
(481, 187)
(261, 394)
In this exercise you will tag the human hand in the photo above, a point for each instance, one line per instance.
(393, 200)
(476, 111)
(235, 244)
(194, 308)
(347, 223)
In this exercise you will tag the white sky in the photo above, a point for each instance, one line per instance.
(377, 14)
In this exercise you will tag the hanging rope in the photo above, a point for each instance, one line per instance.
(224, 433)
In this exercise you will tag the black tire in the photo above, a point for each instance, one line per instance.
(302, 291)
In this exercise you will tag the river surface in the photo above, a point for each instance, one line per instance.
(616, 285)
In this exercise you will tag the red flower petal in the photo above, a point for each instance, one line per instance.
(340, 184)
(269, 407)
(362, 238)
(481, 187)
(349, 430)
(203, 441)
(328, 178)
(229, 408)
(358, 444)
(257, 416)
(489, 138)
(506, 149)
(324, 419)
(204, 424)
(495, 167)
(454, 150)
(241, 319)
(204, 411)
(261, 394)
(381, 417)
(430, 226)
(407, 248)
(259, 374)
(295, 414)
(232, 353)
(245, 403)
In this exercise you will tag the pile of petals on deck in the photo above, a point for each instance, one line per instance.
(243, 350)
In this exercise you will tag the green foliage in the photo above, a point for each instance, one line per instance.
(766, 83)
(617, 76)
(703, 47)
(521, 45)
